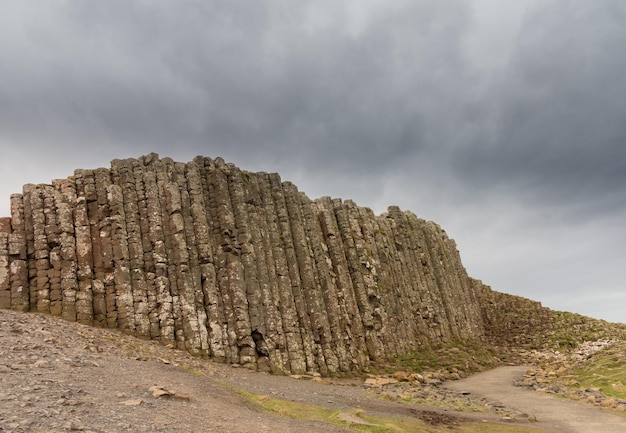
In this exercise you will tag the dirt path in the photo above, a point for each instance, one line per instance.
(552, 413)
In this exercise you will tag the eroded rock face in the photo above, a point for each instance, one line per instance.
(237, 266)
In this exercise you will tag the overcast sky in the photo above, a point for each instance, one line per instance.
(504, 122)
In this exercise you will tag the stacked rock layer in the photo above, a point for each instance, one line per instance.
(237, 266)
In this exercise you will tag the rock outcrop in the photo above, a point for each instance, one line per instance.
(237, 266)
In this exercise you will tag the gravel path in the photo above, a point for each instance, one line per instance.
(552, 413)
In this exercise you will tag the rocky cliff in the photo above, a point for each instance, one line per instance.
(237, 266)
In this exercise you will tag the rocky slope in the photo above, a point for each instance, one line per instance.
(245, 269)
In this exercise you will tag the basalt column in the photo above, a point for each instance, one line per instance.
(5, 281)
(237, 266)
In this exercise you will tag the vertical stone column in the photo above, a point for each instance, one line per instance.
(103, 283)
(121, 256)
(155, 258)
(292, 350)
(325, 317)
(302, 357)
(396, 285)
(5, 281)
(385, 296)
(271, 343)
(456, 289)
(439, 314)
(335, 283)
(18, 254)
(419, 266)
(266, 324)
(37, 248)
(335, 223)
(132, 184)
(415, 293)
(362, 315)
(183, 239)
(246, 295)
(173, 222)
(63, 269)
(85, 217)
(359, 265)
(229, 267)
(161, 243)
(369, 257)
(310, 299)
(207, 254)
(198, 238)
(145, 183)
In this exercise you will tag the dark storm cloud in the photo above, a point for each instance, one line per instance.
(290, 78)
(560, 110)
(503, 123)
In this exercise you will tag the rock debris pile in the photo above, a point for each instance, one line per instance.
(552, 374)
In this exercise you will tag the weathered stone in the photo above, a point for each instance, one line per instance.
(245, 269)
(5, 281)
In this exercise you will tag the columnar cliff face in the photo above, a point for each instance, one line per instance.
(238, 266)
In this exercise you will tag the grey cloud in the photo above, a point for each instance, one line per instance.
(242, 74)
(382, 102)
(559, 110)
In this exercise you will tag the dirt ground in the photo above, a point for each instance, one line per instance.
(552, 413)
(58, 376)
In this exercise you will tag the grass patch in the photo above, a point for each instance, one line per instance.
(605, 370)
(288, 409)
(302, 411)
(467, 357)
(497, 428)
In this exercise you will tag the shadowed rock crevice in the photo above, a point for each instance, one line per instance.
(241, 267)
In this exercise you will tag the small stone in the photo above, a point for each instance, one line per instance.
(42, 363)
(402, 376)
(133, 402)
(27, 422)
(70, 426)
(609, 402)
(159, 391)
(417, 377)
(353, 419)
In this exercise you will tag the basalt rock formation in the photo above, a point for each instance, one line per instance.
(238, 266)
